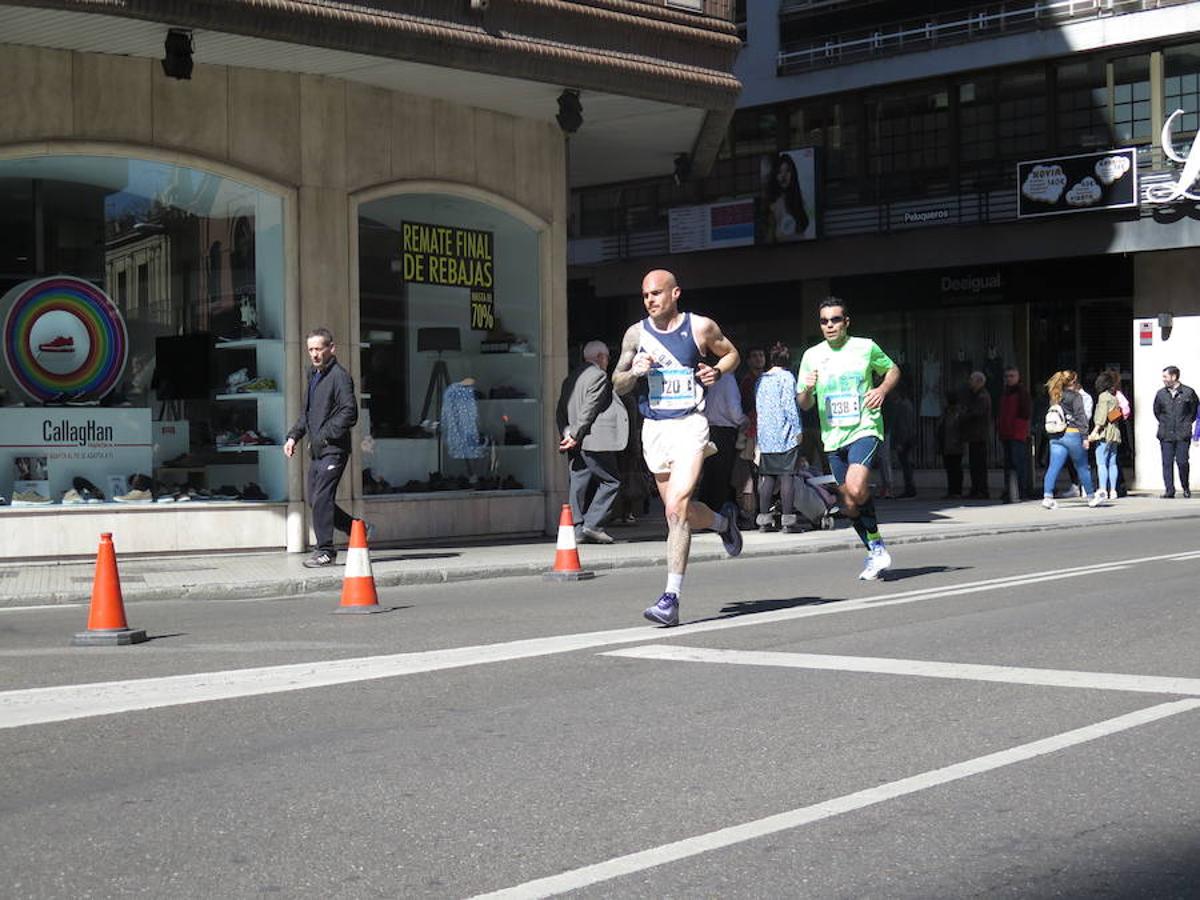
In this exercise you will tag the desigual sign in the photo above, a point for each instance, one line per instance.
(1181, 189)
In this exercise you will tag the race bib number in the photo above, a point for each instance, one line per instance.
(843, 409)
(672, 388)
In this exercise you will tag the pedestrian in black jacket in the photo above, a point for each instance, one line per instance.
(329, 412)
(1175, 409)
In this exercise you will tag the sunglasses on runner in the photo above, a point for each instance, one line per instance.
(833, 320)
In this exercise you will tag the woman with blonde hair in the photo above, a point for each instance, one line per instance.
(1071, 441)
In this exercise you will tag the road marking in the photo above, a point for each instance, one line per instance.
(629, 864)
(35, 706)
(46, 606)
(1104, 681)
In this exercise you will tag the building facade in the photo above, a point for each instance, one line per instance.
(1009, 184)
(181, 201)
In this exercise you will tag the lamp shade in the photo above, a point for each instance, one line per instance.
(438, 339)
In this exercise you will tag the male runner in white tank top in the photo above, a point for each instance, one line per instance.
(660, 357)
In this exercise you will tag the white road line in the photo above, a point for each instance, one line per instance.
(35, 706)
(4, 609)
(1104, 681)
(617, 867)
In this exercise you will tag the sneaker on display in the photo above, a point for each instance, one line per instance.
(29, 497)
(665, 611)
(88, 491)
(878, 562)
(135, 496)
(253, 492)
(72, 496)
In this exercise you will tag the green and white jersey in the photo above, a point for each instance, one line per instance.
(844, 375)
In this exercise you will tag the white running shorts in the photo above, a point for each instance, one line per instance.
(666, 440)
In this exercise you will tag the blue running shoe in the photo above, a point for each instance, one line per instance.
(665, 611)
(731, 537)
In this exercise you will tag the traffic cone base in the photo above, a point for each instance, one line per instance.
(106, 625)
(566, 554)
(358, 585)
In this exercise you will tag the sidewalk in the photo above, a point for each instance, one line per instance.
(275, 574)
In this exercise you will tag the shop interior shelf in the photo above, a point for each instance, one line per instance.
(242, 343)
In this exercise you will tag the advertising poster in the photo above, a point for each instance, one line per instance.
(1086, 182)
(712, 226)
(789, 208)
(446, 256)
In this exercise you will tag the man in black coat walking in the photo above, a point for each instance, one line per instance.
(1175, 409)
(330, 411)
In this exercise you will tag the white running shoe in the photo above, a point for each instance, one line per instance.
(878, 561)
(1102, 493)
(1049, 503)
(1095, 499)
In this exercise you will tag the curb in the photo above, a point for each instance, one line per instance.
(303, 586)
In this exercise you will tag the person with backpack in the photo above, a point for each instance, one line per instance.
(1066, 425)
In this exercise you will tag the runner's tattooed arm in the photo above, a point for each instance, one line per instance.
(632, 365)
(713, 342)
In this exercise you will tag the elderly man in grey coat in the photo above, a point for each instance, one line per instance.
(594, 428)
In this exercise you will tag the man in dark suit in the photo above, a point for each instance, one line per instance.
(1175, 408)
(594, 427)
(329, 412)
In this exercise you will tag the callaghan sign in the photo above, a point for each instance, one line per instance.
(1181, 189)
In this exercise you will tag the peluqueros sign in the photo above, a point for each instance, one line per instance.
(1181, 189)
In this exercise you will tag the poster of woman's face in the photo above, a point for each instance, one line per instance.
(789, 195)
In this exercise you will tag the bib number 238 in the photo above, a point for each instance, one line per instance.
(843, 409)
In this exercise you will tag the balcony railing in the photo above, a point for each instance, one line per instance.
(956, 28)
(966, 208)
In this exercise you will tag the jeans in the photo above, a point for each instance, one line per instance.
(1016, 459)
(1068, 444)
(1175, 453)
(1106, 465)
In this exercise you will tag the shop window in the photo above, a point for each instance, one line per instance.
(450, 311)
(755, 131)
(1131, 99)
(908, 149)
(127, 376)
(1021, 113)
(1083, 105)
(1181, 90)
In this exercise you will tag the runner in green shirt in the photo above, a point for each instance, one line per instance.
(838, 374)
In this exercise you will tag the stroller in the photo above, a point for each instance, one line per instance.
(815, 503)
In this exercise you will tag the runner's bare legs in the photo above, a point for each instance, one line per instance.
(683, 513)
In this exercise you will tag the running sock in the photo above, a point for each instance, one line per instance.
(861, 531)
(870, 523)
(674, 584)
(720, 525)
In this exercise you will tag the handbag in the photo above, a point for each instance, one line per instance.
(1115, 415)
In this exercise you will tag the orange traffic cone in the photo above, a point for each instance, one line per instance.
(566, 555)
(358, 586)
(106, 618)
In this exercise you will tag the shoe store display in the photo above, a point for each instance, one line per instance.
(88, 491)
(29, 498)
(135, 495)
(253, 492)
(235, 380)
(257, 386)
(226, 492)
(72, 497)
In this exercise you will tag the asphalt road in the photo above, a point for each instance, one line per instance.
(1014, 716)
